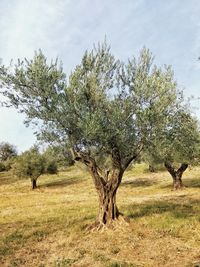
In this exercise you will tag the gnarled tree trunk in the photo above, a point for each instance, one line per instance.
(34, 183)
(106, 185)
(176, 174)
(108, 210)
(107, 191)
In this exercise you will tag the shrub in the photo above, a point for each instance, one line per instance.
(2, 167)
(51, 167)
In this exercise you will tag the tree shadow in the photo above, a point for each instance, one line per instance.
(178, 210)
(187, 182)
(139, 182)
(60, 183)
(194, 182)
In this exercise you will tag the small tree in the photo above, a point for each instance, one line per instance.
(106, 108)
(30, 164)
(181, 146)
(177, 146)
(8, 153)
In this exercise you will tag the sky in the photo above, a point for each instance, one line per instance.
(66, 28)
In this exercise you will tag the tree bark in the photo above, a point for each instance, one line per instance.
(108, 210)
(34, 183)
(176, 174)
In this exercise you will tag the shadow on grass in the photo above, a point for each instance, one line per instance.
(188, 183)
(177, 209)
(60, 183)
(139, 182)
(194, 182)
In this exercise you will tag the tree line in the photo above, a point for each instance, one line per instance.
(108, 113)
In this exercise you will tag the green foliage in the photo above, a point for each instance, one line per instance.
(9, 163)
(179, 141)
(58, 156)
(106, 107)
(2, 167)
(7, 151)
(183, 139)
(29, 164)
(51, 167)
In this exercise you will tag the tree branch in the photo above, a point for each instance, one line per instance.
(170, 169)
(99, 181)
(182, 169)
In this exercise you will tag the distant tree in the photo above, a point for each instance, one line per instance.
(177, 146)
(106, 108)
(59, 155)
(181, 146)
(30, 164)
(7, 151)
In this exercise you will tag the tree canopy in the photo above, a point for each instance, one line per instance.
(7, 151)
(104, 104)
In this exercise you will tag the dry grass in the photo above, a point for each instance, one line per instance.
(47, 227)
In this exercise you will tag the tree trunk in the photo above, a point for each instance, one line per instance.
(177, 183)
(151, 168)
(107, 190)
(176, 174)
(106, 184)
(34, 184)
(108, 210)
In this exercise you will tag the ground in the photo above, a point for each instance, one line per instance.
(49, 226)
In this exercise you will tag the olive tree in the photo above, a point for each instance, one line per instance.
(105, 108)
(178, 145)
(181, 145)
(30, 164)
(7, 151)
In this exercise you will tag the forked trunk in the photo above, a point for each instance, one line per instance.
(176, 174)
(34, 183)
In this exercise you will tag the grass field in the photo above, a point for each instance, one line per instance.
(48, 226)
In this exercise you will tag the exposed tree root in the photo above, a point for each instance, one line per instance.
(121, 221)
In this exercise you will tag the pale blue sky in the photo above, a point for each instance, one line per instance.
(66, 28)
